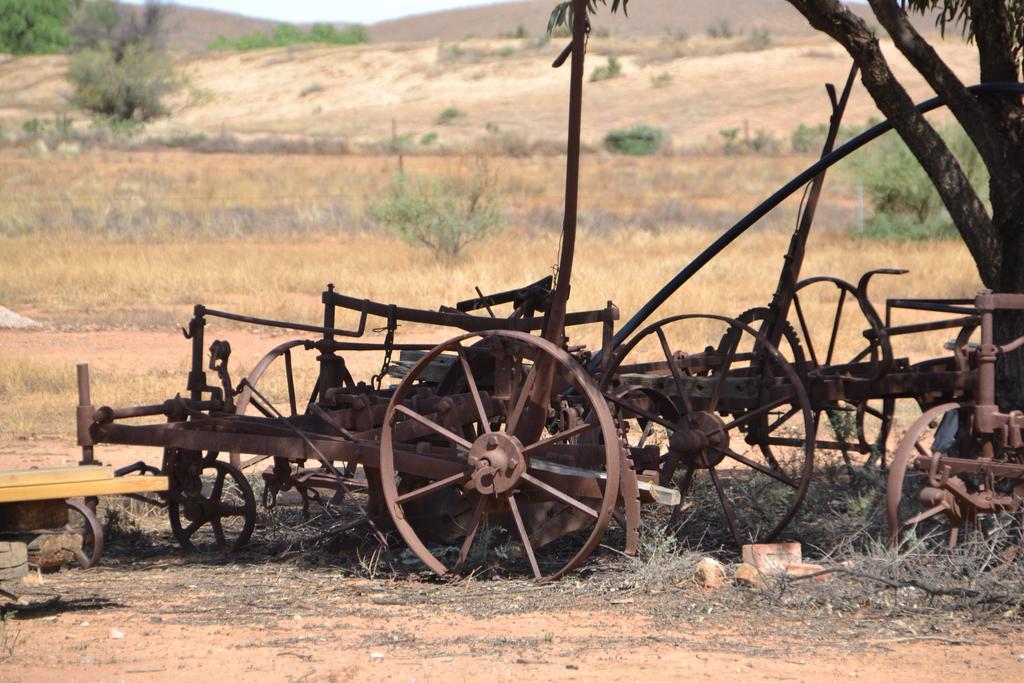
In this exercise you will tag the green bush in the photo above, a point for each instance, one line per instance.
(720, 28)
(906, 204)
(131, 88)
(662, 80)
(611, 70)
(638, 141)
(760, 39)
(448, 115)
(442, 214)
(285, 35)
(33, 26)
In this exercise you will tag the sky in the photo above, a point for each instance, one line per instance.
(301, 11)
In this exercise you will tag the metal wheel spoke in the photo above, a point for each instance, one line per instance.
(562, 436)
(920, 449)
(873, 412)
(640, 413)
(782, 420)
(290, 377)
(432, 487)
(527, 546)
(716, 394)
(474, 525)
(835, 327)
(674, 369)
(754, 465)
(726, 505)
(684, 487)
(82, 558)
(218, 532)
(218, 485)
(867, 349)
(230, 510)
(517, 411)
(758, 411)
(193, 527)
(648, 428)
(803, 327)
(427, 422)
(565, 498)
(930, 512)
(473, 389)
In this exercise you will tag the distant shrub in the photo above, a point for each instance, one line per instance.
(807, 139)
(33, 26)
(906, 204)
(448, 115)
(759, 39)
(285, 35)
(129, 88)
(662, 80)
(60, 128)
(638, 141)
(730, 140)
(810, 139)
(764, 141)
(443, 214)
(428, 138)
(607, 72)
(720, 28)
(520, 32)
(311, 89)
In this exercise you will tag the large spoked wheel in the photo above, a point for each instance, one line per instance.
(840, 328)
(916, 510)
(83, 522)
(717, 422)
(847, 426)
(500, 458)
(211, 505)
(245, 403)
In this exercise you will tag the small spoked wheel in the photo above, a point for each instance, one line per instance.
(508, 465)
(727, 419)
(82, 521)
(211, 505)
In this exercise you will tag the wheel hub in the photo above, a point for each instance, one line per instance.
(697, 435)
(498, 463)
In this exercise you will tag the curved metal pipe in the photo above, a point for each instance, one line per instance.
(774, 200)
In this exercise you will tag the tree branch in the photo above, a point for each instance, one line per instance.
(957, 194)
(975, 118)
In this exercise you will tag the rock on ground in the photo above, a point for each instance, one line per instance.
(709, 574)
(9, 320)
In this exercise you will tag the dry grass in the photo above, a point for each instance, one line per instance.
(132, 240)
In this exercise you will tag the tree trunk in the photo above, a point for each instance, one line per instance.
(1009, 325)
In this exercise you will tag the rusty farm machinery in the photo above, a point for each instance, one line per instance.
(508, 426)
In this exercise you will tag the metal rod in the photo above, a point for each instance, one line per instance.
(716, 247)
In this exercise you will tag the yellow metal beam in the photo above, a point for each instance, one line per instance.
(54, 475)
(78, 489)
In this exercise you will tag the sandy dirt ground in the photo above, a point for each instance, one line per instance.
(290, 609)
(174, 617)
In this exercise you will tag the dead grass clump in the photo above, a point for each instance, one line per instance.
(978, 580)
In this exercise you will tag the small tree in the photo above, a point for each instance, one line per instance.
(129, 88)
(443, 214)
(33, 26)
(120, 70)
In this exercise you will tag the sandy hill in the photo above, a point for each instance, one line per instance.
(496, 89)
(192, 29)
(646, 17)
